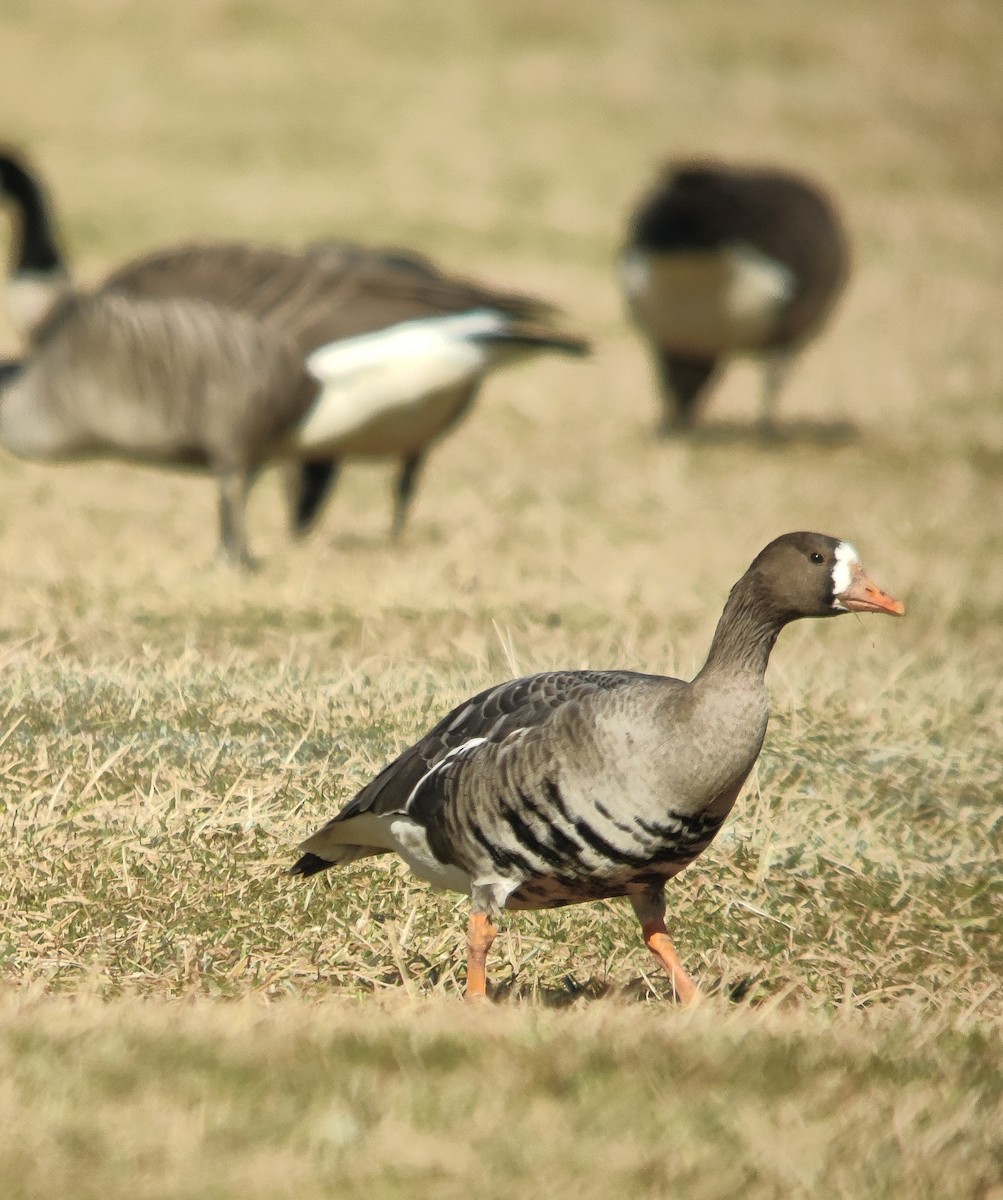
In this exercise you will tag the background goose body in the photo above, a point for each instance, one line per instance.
(384, 392)
(154, 381)
(704, 304)
(582, 785)
(723, 261)
(201, 355)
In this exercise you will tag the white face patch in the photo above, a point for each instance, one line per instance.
(846, 565)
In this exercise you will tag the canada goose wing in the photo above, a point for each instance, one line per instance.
(328, 294)
(377, 290)
(399, 284)
(233, 274)
(303, 294)
(352, 253)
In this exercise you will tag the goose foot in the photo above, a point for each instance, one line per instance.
(657, 939)
(480, 934)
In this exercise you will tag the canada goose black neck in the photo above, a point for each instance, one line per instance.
(38, 250)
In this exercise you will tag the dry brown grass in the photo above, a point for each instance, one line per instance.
(384, 1100)
(170, 730)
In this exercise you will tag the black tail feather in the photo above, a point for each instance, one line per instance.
(562, 343)
(310, 864)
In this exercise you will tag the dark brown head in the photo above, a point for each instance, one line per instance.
(812, 575)
(797, 575)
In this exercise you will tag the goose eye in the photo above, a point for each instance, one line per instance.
(816, 557)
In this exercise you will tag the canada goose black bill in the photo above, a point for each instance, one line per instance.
(582, 785)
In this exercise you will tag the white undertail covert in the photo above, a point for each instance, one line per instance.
(368, 376)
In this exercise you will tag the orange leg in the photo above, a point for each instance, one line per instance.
(657, 939)
(480, 934)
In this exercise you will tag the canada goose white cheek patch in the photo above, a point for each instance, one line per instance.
(635, 271)
(845, 567)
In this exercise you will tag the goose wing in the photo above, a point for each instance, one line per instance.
(423, 775)
(321, 294)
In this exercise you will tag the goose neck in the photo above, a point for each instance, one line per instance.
(745, 634)
(38, 250)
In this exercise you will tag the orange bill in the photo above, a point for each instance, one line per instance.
(863, 595)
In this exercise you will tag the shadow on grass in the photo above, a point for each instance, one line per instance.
(637, 991)
(804, 432)
(417, 534)
(987, 460)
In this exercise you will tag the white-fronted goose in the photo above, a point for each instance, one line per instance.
(228, 356)
(723, 261)
(582, 785)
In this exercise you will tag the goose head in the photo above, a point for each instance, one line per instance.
(813, 575)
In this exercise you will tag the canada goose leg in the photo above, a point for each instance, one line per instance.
(683, 382)
(776, 368)
(480, 934)
(405, 490)
(309, 484)
(649, 905)
(233, 488)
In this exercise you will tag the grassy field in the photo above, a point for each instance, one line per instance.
(177, 1017)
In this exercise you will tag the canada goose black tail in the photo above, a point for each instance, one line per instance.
(562, 343)
(310, 864)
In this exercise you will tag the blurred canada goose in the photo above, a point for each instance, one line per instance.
(723, 261)
(37, 275)
(363, 353)
(583, 785)
(401, 347)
